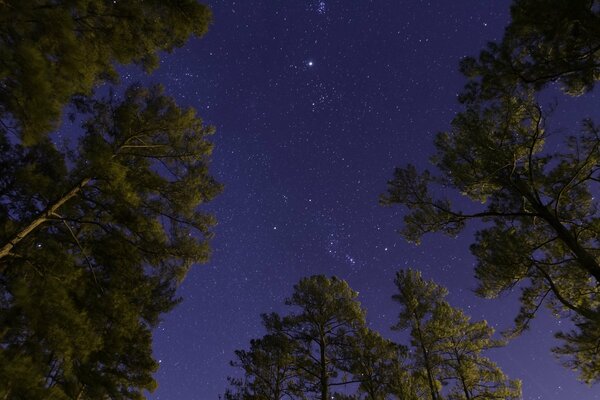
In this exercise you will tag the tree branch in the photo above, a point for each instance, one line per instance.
(45, 215)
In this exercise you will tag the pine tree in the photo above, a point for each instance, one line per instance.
(379, 365)
(328, 314)
(540, 210)
(539, 204)
(459, 343)
(418, 299)
(52, 50)
(447, 347)
(326, 343)
(269, 370)
(546, 41)
(95, 244)
(94, 238)
(314, 344)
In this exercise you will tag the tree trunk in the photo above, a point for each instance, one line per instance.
(428, 367)
(324, 380)
(460, 375)
(586, 261)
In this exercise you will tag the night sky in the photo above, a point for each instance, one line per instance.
(315, 102)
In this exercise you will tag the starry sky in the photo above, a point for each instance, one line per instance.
(315, 102)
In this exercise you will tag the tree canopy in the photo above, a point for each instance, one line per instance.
(326, 344)
(546, 41)
(447, 346)
(327, 315)
(380, 367)
(269, 370)
(95, 244)
(95, 237)
(316, 338)
(538, 207)
(52, 50)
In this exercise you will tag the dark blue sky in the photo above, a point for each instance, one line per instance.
(315, 102)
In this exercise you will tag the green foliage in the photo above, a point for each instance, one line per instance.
(326, 343)
(447, 347)
(322, 344)
(269, 370)
(540, 215)
(94, 239)
(116, 225)
(379, 366)
(580, 350)
(418, 300)
(546, 41)
(53, 50)
(539, 206)
(459, 343)
(328, 314)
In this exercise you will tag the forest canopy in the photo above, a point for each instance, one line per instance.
(94, 237)
(325, 350)
(98, 232)
(539, 226)
(54, 50)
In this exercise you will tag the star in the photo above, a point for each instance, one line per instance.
(322, 7)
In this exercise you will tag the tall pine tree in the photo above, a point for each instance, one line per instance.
(447, 347)
(315, 341)
(418, 299)
(327, 314)
(380, 367)
(540, 219)
(95, 245)
(459, 344)
(269, 370)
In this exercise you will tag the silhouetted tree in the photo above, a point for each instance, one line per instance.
(326, 343)
(540, 210)
(313, 344)
(93, 238)
(328, 314)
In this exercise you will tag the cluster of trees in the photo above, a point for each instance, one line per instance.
(95, 235)
(325, 343)
(540, 216)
